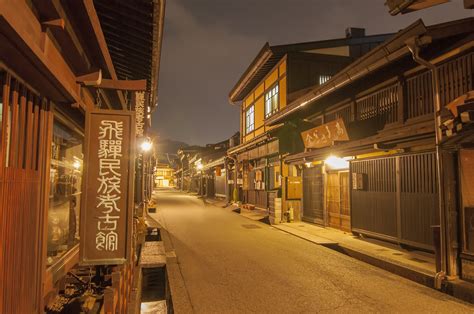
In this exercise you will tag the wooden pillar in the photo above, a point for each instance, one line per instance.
(451, 202)
(401, 110)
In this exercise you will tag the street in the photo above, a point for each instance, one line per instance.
(231, 264)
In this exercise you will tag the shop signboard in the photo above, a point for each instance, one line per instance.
(325, 135)
(140, 106)
(107, 201)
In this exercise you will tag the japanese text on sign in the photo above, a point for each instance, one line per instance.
(109, 191)
(139, 113)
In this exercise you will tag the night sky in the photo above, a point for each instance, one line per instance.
(208, 44)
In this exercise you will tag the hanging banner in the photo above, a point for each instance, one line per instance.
(325, 135)
(107, 200)
(140, 105)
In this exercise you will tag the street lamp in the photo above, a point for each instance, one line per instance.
(146, 145)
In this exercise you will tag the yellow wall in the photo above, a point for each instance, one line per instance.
(282, 68)
(249, 137)
(249, 100)
(282, 92)
(259, 91)
(272, 78)
(259, 112)
(257, 98)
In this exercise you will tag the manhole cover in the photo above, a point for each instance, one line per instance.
(398, 254)
(251, 226)
(418, 260)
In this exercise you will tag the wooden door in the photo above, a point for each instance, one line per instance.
(313, 195)
(345, 205)
(338, 206)
(333, 200)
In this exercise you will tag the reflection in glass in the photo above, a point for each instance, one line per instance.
(65, 191)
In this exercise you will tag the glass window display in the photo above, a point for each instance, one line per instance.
(65, 190)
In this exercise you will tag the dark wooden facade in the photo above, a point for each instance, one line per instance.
(50, 55)
(389, 115)
(293, 69)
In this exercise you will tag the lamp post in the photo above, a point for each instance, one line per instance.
(199, 167)
(145, 147)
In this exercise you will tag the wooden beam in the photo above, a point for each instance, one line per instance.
(128, 85)
(56, 23)
(90, 79)
(94, 20)
(35, 51)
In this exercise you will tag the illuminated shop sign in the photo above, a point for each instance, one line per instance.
(106, 216)
(325, 135)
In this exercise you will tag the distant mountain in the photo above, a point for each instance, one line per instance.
(166, 149)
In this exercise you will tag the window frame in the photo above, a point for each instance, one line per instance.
(269, 100)
(247, 116)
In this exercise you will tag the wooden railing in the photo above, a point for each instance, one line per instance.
(419, 93)
(456, 77)
(382, 104)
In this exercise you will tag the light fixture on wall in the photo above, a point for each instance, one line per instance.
(337, 163)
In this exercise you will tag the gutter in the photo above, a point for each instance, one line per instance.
(414, 44)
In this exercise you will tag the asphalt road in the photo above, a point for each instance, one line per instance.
(231, 264)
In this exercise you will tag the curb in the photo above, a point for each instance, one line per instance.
(463, 292)
(405, 272)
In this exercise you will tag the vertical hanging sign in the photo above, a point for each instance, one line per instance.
(140, 104)
(107, 201)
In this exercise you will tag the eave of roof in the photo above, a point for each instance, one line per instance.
(133, 31)
(269, 56)
(393, 49)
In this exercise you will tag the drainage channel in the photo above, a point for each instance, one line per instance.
(155, 295)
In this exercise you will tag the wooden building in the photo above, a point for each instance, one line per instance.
(369, 164)
(58, 61)
(277, 76)
(164, 176)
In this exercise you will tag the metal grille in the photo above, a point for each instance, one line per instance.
(251, 226)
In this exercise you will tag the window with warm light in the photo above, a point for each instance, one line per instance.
(250, 119)
(271, 101)
(65, 190)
